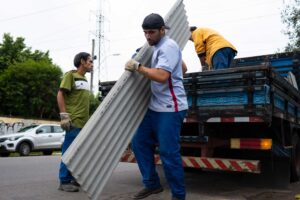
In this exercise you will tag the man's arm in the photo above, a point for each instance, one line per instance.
(154, 74)
(61, 101)
(65, 120)
(184, 67)
(202, 59)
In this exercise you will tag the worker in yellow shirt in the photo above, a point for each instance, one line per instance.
(213, 50)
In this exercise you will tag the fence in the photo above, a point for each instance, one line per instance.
(13, 125)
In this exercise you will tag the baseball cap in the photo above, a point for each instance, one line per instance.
(154, 21)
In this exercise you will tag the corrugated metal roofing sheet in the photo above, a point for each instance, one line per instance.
(96, 151)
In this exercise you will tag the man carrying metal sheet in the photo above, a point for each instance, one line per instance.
(73, 103)
(213, 50)
(163, 120)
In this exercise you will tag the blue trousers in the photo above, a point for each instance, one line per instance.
(223, 58)
(162, 128)
(64, 174)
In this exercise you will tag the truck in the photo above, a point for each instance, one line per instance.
(242, 119)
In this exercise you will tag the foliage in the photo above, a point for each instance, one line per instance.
(94, 103)
(15, 51)
(29, 81)
(11, 51)
(30, 89)
(291, 17)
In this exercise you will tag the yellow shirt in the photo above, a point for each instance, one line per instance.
(209, 41)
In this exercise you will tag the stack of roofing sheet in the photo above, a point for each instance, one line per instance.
(95, 153)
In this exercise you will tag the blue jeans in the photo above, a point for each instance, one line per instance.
(162, 128)
(64, 174)
(223, 58)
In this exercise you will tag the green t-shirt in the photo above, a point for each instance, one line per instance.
(76, 96)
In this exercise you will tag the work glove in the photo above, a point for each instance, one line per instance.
(65, 121)
(132, 65)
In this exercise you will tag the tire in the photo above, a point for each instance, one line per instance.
(295, 159)
(47, 152)
(24, 149)
(5, 154)
(275, 171)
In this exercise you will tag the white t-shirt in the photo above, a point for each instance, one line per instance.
(169, 96)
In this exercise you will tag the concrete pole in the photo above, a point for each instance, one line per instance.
(92, 72)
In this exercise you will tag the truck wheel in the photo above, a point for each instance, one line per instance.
(24, 149)
(295, 159)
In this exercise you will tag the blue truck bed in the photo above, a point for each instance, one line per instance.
(256, 86)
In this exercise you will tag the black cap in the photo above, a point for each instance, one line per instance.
(154, 21)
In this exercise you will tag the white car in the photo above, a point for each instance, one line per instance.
(44, 137)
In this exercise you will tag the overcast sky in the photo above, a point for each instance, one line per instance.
(66, 27)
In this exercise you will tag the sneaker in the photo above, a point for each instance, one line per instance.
(74, 182)
(146, 192)
(68, 187)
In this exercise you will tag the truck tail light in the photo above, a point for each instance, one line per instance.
(251, 143)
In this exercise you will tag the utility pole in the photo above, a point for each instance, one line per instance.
(92, 72)
(99, 43)
(101, 37)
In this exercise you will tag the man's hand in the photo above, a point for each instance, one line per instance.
(65, 121)
(132, 65)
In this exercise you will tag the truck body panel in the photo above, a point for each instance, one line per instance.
(245, 118)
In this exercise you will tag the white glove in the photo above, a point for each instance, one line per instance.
(132, 65)
(65, 121)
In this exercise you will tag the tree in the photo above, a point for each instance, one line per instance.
(291, 17)
(29, 81)
(30, 89)
(10, 51)
(94, 103)
(15, 51)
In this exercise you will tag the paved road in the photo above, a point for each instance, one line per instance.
(35, 178)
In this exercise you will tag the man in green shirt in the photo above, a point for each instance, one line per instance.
(73, 104)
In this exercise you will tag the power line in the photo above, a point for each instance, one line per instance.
(245, 19)
(71, 47)
(39, 12)
(61, 31)
(41, 40)
(233, 8)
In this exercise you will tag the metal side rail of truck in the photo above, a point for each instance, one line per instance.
(243, 119)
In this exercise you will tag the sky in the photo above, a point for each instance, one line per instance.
(66, 27)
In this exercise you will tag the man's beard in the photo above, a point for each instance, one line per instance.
(152, 43)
